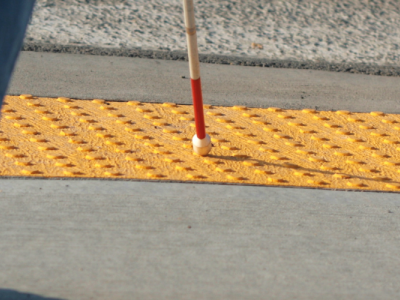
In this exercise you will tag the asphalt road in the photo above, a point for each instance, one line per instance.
(102, 239)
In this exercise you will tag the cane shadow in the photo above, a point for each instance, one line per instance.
(7, 294)
(262, 163)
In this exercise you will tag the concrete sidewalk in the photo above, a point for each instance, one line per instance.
(139, 240)
(153, 80)
(103, 239)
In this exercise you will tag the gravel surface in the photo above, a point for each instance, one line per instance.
(324, 32)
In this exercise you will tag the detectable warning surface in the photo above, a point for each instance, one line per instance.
(49, 137)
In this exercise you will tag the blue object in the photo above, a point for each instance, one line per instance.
(14, 18)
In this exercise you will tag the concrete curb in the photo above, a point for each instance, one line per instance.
(356, 68)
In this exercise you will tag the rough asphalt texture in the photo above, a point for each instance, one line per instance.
(350, 36)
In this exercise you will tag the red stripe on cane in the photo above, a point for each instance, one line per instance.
(198, 108)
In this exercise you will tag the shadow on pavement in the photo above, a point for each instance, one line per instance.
(6, 294)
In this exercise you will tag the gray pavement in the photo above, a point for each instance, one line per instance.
(97, 239)
(318, 64)
(124, 78)
(101, 239)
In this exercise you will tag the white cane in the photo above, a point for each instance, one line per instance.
(201, 141)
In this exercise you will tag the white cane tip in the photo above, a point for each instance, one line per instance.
(201, 146)
(202, 151)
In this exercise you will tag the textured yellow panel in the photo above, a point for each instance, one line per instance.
(47, 137)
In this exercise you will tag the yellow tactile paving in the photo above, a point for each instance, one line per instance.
(48, 137)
